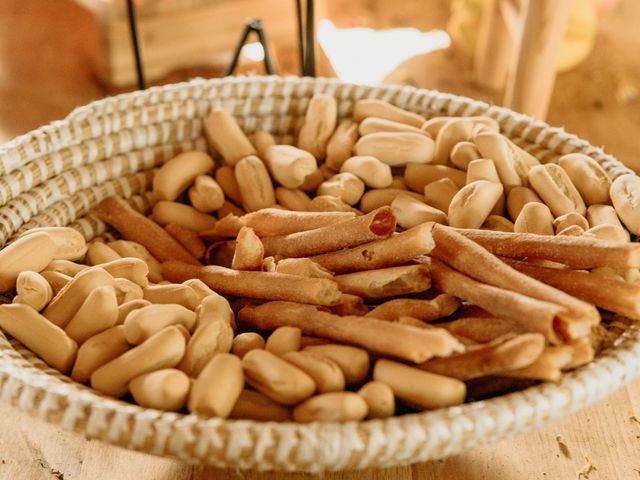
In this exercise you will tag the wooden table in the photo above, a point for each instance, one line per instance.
(606, 433)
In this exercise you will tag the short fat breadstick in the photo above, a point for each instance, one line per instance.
(372, 107)
(164, 389)
(386, 282)
(218, 386)
(31, 252)
(396, 149)
(473, 203)
(206, 195)
(411, 212)
(249, 251)
(345, 186)
(331, 407)
(341, 143)
(555, 188)
(163, 350)
(370, 170)
(97, 351)
(33, 289)
(227, 137)
(289, 166)
(175, 176)
(401, 341)
(138, 228)
(254, 184)
(319, 123)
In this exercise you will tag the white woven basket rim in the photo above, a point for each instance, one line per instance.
(27, 383)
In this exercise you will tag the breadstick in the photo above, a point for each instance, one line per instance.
(439, 194)
(98, 253)
(213, 308)
(511, 162)
(605, 292)
(145, 322)
(496, 222)
(375, 225)
(206, 195)
(411, 212)
(385, 282)
(189, 239)
(319, 123)
(455, 130)
(329, 203)
(245, 342)
(163, 350)
(331, 407)
(380, 400)
(184, 215)
(370, 170)
(130, 268)
(304, 267)
(372, 107)
(68, 300)
(419, 388)
(401, 341)
(97, 351)
(569, 220)
(261, 140)
(396, 149)
(254, 184)
(70, 243)
(353, 362)
(346, 186)
(171, 293)
(276, 378)
(226, 178)
(481, 329)
(217, 388)
(463, 153)
(489, 359)
(531, 314)
(270, 286)
(249, 251)
(166, 389)
(57, 280)
(350, 305)
(548, 367)
(589, 178)
(293, 199)
(397, 249)
(473, 203)
(518, 197)
(426, 310)
(312, 181)
(375, 125)
(419, 176)
(283, 340)
(125, 248)
(471, 259)
(341, 144)
(271, 221)
(128, 307)
(383, 196)
(576, 252)
(227, 137)
(324, 371)
(97, 313)
(66, 267)
(554, 186)
(610, 233)
(252, 405)
(33, 289)
(289, 166)
(602, 214)
(31, 252)
(175, 176)
(42, 337)
(138, 228)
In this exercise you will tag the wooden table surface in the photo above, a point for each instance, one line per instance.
(44, 73)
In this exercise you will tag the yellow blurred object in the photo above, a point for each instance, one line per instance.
(577, 43)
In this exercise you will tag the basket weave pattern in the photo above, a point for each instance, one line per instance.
(54, 176)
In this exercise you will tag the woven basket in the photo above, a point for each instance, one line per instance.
(57, 174)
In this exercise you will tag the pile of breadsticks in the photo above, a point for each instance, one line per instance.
(385, 264)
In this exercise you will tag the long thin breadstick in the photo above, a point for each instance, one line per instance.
(265, 285)
(426, 310)
(274, 221)
(386, 282)
(491, 359)
(136, 227)
(398, 249)
(387, 338)
(481, 329)
(471, 259)
(378, 224)
(577, 252)
(605, 292)
(529, 313)
(547, 367)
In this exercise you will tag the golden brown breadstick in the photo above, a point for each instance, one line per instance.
(531, 314)
(372, 107)
(329, 203)
(166, 389)
(65, 266)
(189, 239)
(226, 178)
(481, 329)
(319, 123)
(439, 194)
(464, 153)
(534, 218)
(131, 268)
(31, 252)
(473, 203)
(217, 388)
(145, 322)
(163, 350)
(511, 162)
(370, 170)
(186, 216)
(419, 176)
(98, 253)
(245, 342)
(576, 252)
(97, 351)
(589, 178)
(602, 214)
(271, 221)
(398, 249)
(254, 184)
(227, 137)
(426, 310)
(97, 313)
(171, 293)
(57, 280)
(283, 340)
(289, 166)
(379, 336)
(209, 339)
(33, 289)
(270, 286)
(554, 186)
(518, 197)
(261, 140)
(341, 143)
(252, 405)
(276, 378)
(380, 197)
(138, 228)
(68, 300)
(305, 267)
(249, 252)
(324, 371)
(411, 212)
(293, 199)
(455, 130)
(212, 308)
(419, 388)
(548, 367)
(496, 222)
(128, 307)
(380, 400)
(346, 186)
(396, 149)
(490, 359)
(331, 407)
(610, 233)
(353, 362)
(176, 175)
(375, 225)
(70, 243)
(126, 248)
(375, 125)
(605, 292)
(569, 220)
(350, 305)
(206, 195)
(385, 282)
(39, 335)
